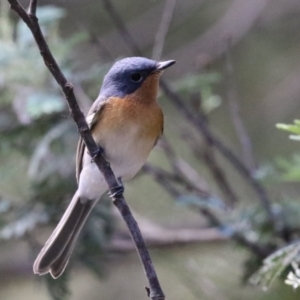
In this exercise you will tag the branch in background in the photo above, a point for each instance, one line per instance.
(124, 33)
(209, 46)
(155, 237)
(163, 29)
(204, 130)
(174, 180)
(233, 104)
(170, 238)
(184, 171)
(287, 90)
(100, 48)
(175, 193)
(257, 249)
(165, 181)
(158, 236)
(208, 157)
(154, 291)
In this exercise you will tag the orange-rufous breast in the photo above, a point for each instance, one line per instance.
(128, 128)
(139, 108)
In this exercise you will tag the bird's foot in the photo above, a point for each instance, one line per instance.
(118, 190)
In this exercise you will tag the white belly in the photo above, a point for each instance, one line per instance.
(126, 151)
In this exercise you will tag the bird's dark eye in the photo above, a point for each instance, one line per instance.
(136, 77)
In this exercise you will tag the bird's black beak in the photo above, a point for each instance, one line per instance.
(162, 65)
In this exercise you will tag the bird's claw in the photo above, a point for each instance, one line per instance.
(117, 191)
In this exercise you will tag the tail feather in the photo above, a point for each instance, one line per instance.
(55, 254)
(61, 262)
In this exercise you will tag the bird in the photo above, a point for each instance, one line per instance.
(126, 121)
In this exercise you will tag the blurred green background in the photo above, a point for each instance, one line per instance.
(228, 52)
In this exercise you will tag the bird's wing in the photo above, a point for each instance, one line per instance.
(91, 118)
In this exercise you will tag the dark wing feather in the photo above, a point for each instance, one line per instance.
(91, 118)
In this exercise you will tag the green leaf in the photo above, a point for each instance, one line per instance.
(293, 128)
(289, 168)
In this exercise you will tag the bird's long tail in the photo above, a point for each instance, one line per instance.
(55, 254)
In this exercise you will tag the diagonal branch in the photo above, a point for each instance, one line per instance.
(208, 157)
(163, 29)
(125, 34)
(239, 237)
(234, 109)
(223, 149)
(183, 171)
(154, 291)
(165, 181)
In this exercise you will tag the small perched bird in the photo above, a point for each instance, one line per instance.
(125, 121)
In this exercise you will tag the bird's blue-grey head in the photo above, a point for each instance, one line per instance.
(128, 74)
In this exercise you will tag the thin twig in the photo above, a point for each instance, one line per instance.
(234, 109)
(155, 291)
(170, 238)
(162, 179)
(257, 249)
(184, 171)
(209, 46)
(124, 33)
(173, 178)
(100, 48)
(208, 156)
(163, 29)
